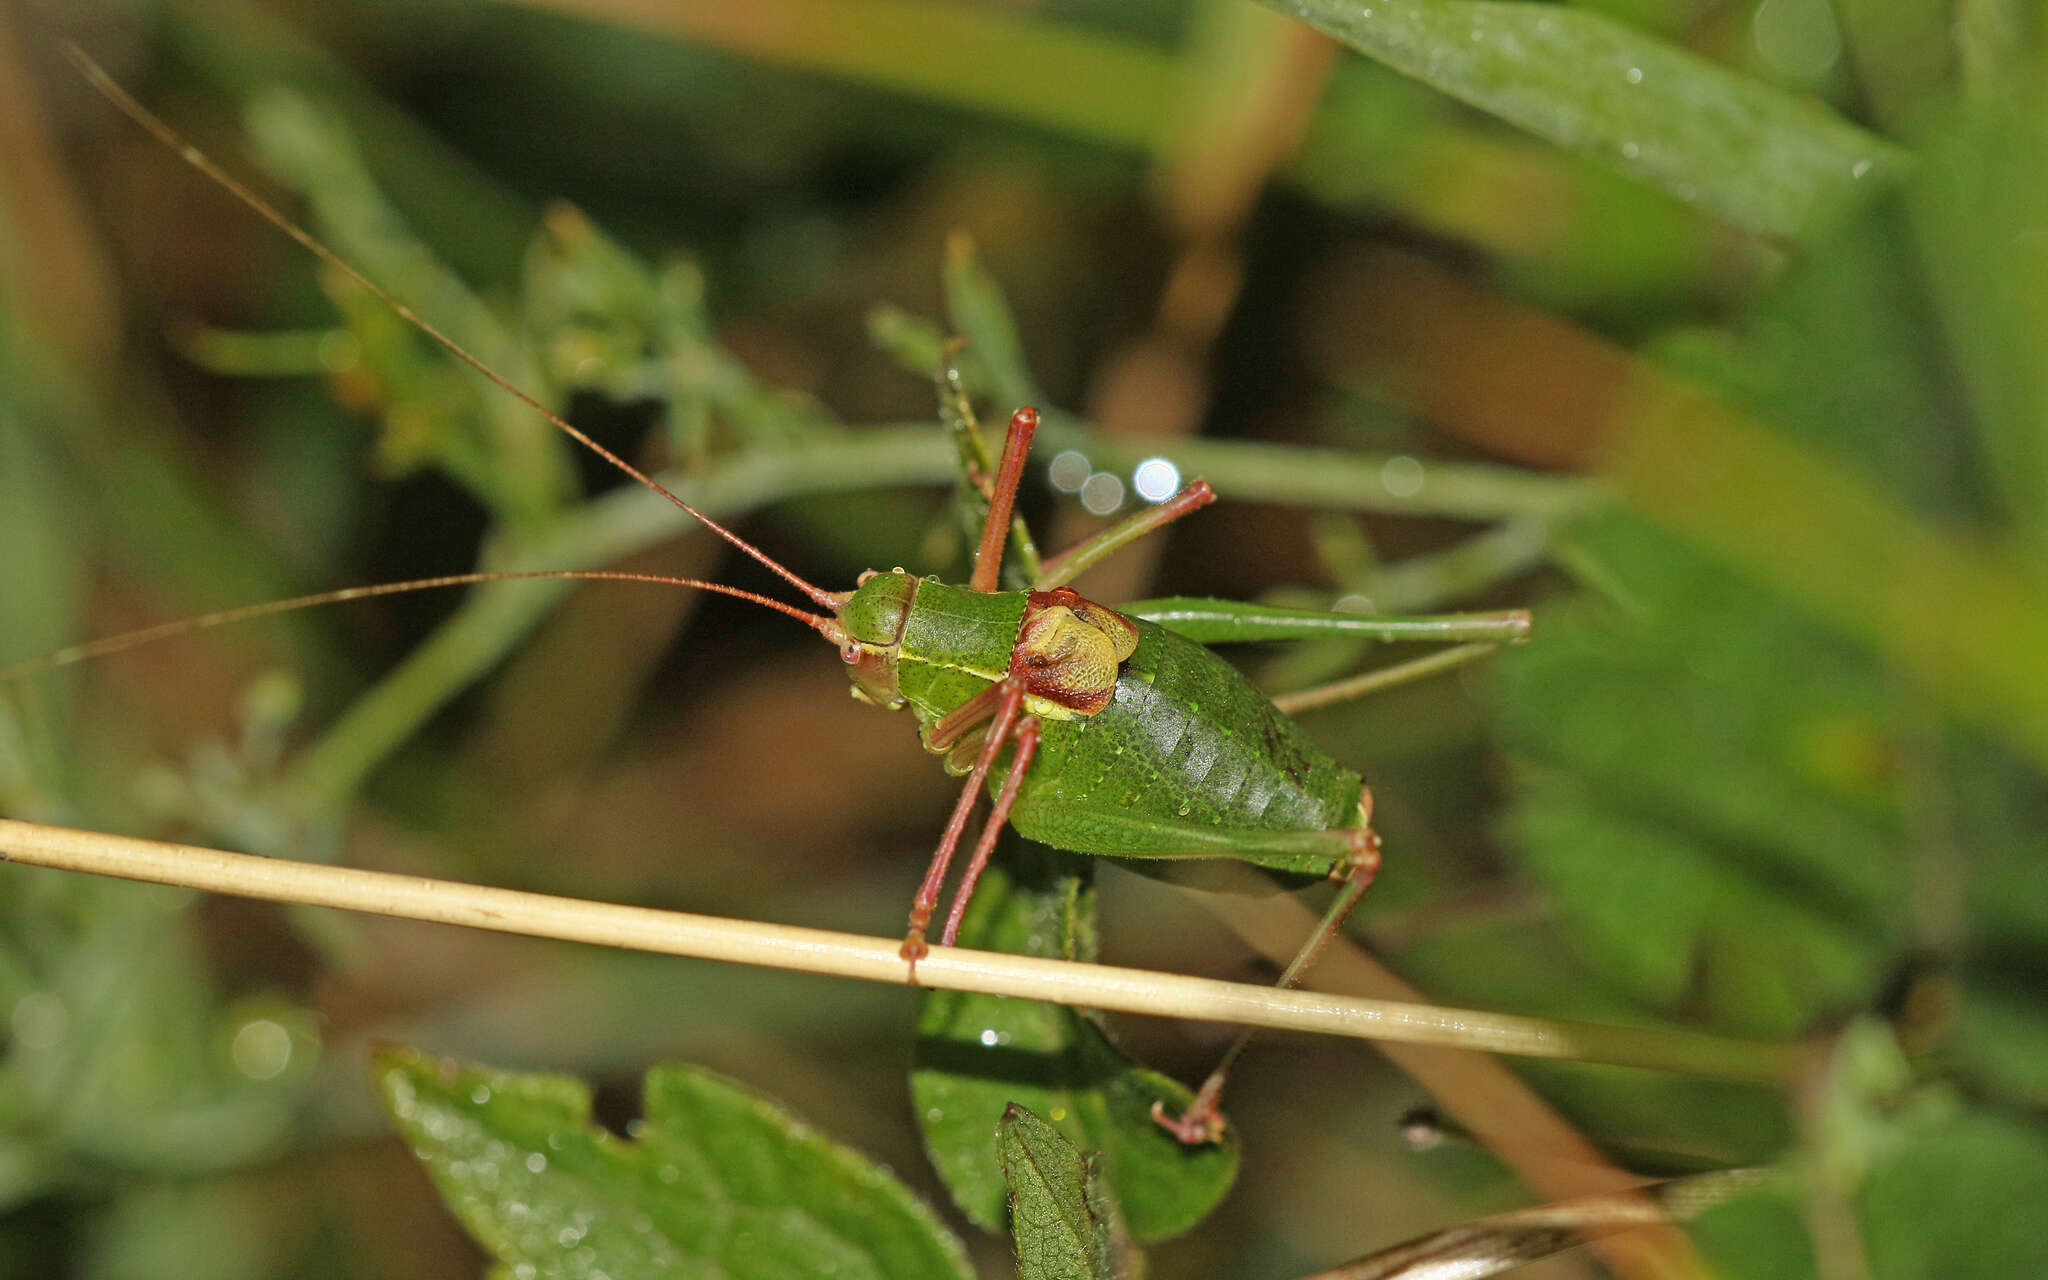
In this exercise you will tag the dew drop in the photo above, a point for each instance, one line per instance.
(1402, 476)
(536, 1163)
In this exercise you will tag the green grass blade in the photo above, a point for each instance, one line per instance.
(1757, 155)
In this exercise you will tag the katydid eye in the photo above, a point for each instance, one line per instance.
(873, 672)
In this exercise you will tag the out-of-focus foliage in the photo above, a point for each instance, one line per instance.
(978, 1056)
(1711, 331)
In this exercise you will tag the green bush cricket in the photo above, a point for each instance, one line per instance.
(1099, 731)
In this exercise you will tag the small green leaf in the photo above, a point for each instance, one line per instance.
(716, 1183)
(1063, 1221)
(1752, 153)
(1943, 1205)
(977, 1055)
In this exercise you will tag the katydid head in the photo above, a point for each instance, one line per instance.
(872, 620)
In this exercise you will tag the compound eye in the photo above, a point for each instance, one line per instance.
(873, 673)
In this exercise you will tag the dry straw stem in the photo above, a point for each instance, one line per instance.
(872, 959)
(1503, 1242)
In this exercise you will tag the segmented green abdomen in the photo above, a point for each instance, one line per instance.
(1185, 741)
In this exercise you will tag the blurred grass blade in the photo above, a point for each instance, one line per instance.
(1490, 1246)
(1747, 151)
(715, 1182)
(981, 314)
(1060, 1214)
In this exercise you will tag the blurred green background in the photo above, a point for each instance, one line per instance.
(1710, 330)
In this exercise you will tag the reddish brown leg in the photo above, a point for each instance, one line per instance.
(1012, 699)
(1027, 746)
(988, 559)
(1203, 1120)
(957, 723)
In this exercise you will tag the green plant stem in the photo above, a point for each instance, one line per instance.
(1505, 1241)
(1462, 570)
(495, 618)
(1369, 682)
(1336, 479)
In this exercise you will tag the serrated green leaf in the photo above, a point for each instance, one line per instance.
(716, 1183)
(977, 1055)
(1061, 1218)
(1753, 153)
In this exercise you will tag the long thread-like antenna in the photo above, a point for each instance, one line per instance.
(825, 626)
(162, 132)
